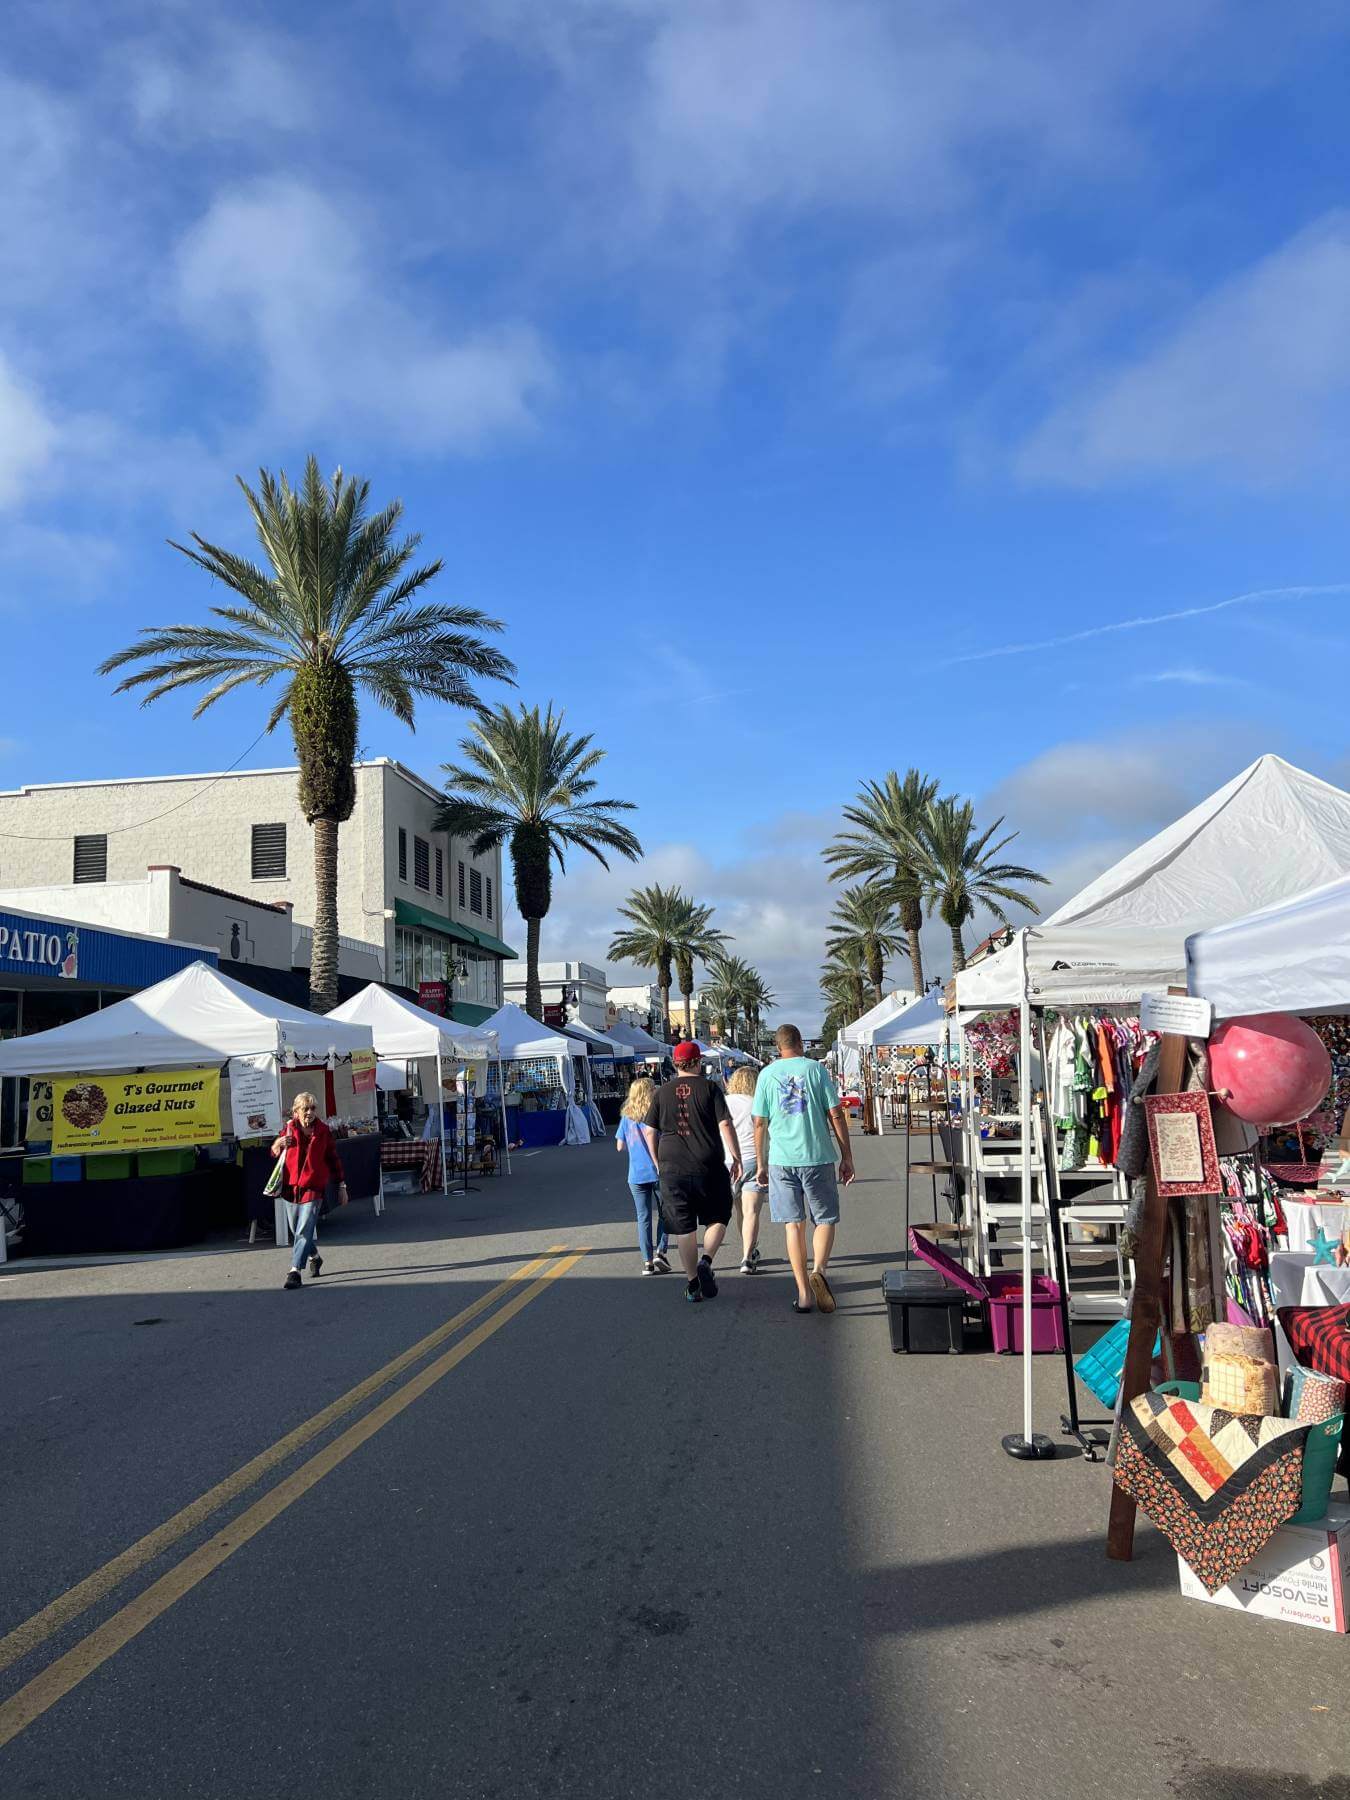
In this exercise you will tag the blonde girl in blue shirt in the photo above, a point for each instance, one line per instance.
(639, 1141)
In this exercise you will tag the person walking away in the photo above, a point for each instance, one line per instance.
(639, 1140)
(311, 1164)
(798, 1124)
(698, 1159)
(746, 1204)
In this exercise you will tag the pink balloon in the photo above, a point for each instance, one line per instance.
(1275, 1067)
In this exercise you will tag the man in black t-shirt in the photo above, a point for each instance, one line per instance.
(695, 1142)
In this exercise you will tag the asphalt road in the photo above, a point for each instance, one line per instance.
(592, 1542)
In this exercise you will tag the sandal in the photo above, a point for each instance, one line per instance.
(797, 1306)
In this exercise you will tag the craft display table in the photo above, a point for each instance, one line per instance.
(1296, 1280)
(1305, 1218)
(414, 1153)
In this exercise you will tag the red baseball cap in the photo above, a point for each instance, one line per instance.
(687, 1051)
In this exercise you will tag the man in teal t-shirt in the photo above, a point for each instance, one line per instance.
(798, 1124)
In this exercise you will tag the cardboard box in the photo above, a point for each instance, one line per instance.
(1302, 1575)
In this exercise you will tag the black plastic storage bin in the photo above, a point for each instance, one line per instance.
(926, 1313)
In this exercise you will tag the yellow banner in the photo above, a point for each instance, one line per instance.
(165, 1110)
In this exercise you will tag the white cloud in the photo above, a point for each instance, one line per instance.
(28, 437)
(288, 273)
(1196, 678)
(221, 82)
(1253, 386)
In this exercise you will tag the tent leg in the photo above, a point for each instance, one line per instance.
(440, 1106)
(279, 1205)
(501, 1101)
(1026, 1445)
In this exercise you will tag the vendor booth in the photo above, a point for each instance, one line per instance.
(159, 1111)
(546, 1080)
(1258, 838)
(613, 1066)
(436, 1057)
(642, 1043)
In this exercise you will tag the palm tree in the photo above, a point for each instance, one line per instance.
(863, 925)
(756, 996)
(655, 916)
(695, 941)
(886, 818)
(727, 993)
(958, 870)
(841, 987)
(529, 783)
(330, 615)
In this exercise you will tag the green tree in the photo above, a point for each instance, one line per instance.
(863, 928)
(756, 998)
(728, 991)
(696, 940)
(528, 783)
(655, 917)
(959, 871)
(886, 819)
(330, 614)
(841, 988)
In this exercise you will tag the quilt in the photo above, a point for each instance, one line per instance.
(1217, 1484)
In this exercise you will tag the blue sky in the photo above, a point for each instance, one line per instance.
(774, 370)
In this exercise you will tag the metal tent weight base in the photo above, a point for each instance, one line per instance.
(1036, 1448)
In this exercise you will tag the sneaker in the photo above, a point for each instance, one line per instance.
(748, 1265)
(648, 1268)
(315, 1265)
(755, 1255)
(707, 1283)
(292, 1280)
(661, 1263)
(693, 1292)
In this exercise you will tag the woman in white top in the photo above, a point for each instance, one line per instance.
(740, 1099)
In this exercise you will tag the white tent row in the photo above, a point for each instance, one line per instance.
(1294, 957)
(196, 1016)
(923, 1022)
(405, 1031)
(863, 1030)
(641, 1042)
(1263, 838)
(192, 1019)
(522, 1038)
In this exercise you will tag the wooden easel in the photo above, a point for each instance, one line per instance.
(1146, 1312)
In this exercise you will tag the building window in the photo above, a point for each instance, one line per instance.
(91, 858)
(475, 891)
(402, 854)
(461, 887)
(269, 853)
(488, 906)
(440, 874)
(422, 864)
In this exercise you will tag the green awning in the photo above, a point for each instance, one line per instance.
(405, 913)
(486, 941)
(468, 1012)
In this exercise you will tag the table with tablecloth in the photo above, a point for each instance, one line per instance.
(1296, 1280)
(424, 1155)
(1305, 1218)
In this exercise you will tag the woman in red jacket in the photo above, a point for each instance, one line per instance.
(311, 1164)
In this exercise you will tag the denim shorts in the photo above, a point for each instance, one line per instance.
(793, 1191)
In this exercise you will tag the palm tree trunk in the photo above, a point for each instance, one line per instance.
(876, 974)
(323, 958)
(665, 1010)
(534, 999)
(958, 950)
(915, 959)
(688, 1012)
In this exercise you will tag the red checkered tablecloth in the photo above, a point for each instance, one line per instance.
(413, 1153)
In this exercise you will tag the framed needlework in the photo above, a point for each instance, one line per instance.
(1181, 1138)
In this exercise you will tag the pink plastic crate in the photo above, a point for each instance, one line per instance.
(1002, 1294)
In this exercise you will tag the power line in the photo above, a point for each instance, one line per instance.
(63, 837)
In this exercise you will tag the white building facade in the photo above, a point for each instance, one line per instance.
(570, 992)
(414, 905)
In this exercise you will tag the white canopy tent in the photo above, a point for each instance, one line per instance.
(642, 1042)
(1263, 838)
(522, 1038)
(404, 1031)
(923, 1021)
(1294, 957)
(600, 1043)
(863, 1030)
(194, 1018)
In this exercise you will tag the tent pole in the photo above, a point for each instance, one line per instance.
(440, 1113)
(1025, 1445)
(501, 1102)
(279, 1204)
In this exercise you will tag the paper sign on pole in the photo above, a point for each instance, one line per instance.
(255, 1104)
(363, 1071)
(164, 1109)
(1183, 1015)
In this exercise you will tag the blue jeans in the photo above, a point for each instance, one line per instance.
(303, 1218)
(646, 1201)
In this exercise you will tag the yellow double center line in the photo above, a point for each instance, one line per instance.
(57, 1680)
